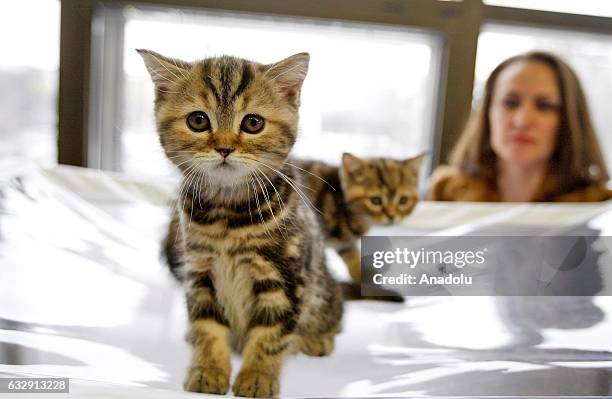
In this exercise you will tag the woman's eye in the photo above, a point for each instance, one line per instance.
(376, 200)
(403, 200)
(198, 121)
(547, 106)
(252, 124)
(510, 103)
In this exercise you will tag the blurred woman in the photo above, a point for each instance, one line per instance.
(531, 140)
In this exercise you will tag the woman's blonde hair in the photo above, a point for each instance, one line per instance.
(577, 160)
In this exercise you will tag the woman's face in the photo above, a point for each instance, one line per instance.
(525, 113)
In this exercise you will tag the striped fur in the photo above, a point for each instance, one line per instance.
(344, 196)
(248, 250)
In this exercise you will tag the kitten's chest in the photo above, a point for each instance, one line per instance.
(234, 287)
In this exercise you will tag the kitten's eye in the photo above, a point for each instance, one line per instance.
(403, 200)
(198, 121)
(376, 200)
(252, 124)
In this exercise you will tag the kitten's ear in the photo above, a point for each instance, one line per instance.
(351, 165)
(163, 70)
(413, 165)
(288, 75)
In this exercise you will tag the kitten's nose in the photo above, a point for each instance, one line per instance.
(224, 151)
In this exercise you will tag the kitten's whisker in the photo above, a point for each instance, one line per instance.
(268, 166)
(249, 200)
(186, 173)
(258, 207)
(185, 189)
(189, 160)
(209, 184)
(303, 196)
(175, 206)
(191, 208)
(179, 204)
(310, 173)
(192, 188)
(183, 162)
(282, 204)
(280, 199)
(254, 178)
(233, 188)
(292, 183)
(179, 156)
(199, 188)
(266, 196)
(184, 157)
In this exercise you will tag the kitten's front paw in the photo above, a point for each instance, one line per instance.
(318, 346)
(255, 383)
(207, 379)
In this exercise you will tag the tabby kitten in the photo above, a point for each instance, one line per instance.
(362, 192)
(251, 254)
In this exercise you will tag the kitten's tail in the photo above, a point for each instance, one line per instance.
(352, 291)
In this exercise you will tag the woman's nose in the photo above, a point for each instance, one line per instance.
(524, 115)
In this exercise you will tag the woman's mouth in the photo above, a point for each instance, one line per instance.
(521, 139)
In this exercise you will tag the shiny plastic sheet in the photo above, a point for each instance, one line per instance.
(84, 294)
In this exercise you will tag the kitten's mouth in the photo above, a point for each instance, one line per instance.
(225, 165)
(227, 171)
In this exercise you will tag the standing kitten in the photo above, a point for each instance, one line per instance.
(362, 192)
(251, 252)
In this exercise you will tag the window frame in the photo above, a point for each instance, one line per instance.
(81, 125)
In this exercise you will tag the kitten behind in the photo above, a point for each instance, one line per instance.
(356, 195)
(384, 190)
